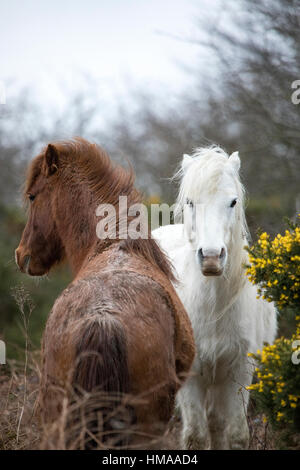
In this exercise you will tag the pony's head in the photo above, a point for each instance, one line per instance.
(212, 197)
(40, 246)
(65, 185)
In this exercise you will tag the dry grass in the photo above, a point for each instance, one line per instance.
(21, 428)
(261, 437)
(19, 389)
(18, 393)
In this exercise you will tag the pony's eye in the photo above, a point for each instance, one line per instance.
(190, 203)
(233, 203)
(31, 197)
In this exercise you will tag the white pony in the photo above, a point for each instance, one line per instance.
(227, 317)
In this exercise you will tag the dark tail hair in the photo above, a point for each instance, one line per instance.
(102, 370)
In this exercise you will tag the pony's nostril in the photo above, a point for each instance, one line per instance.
(222, 254)
(22, 262)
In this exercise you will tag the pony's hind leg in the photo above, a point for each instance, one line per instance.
(191, 400)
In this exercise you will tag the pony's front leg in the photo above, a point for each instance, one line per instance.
(238, 404)
(227, 416)
(191, 400)
(217, 417)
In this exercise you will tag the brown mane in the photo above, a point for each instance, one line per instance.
(106, 181)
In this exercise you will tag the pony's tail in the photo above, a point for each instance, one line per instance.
(101, 379)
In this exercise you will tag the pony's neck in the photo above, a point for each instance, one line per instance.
(77, 228)
(75, 216)
(75, 210)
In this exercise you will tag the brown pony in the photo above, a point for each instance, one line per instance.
(119, 327)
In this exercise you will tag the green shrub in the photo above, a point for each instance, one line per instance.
(277, 391)
(275, 268)
(42, 292)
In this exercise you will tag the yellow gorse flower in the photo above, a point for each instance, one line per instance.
(275, 267)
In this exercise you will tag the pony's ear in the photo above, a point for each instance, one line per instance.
(52, 159)
(235, 161)
(186, 161)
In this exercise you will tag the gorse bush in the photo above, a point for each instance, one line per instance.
(277, 392)
(275, 268)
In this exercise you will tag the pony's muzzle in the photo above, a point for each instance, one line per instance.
(22, 261)
(212, 264)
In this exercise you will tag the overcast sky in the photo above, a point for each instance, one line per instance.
(49, 46)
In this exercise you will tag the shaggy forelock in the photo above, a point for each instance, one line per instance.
(203, 176)
(204, 173)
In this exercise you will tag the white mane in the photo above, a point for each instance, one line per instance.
(207, 165)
